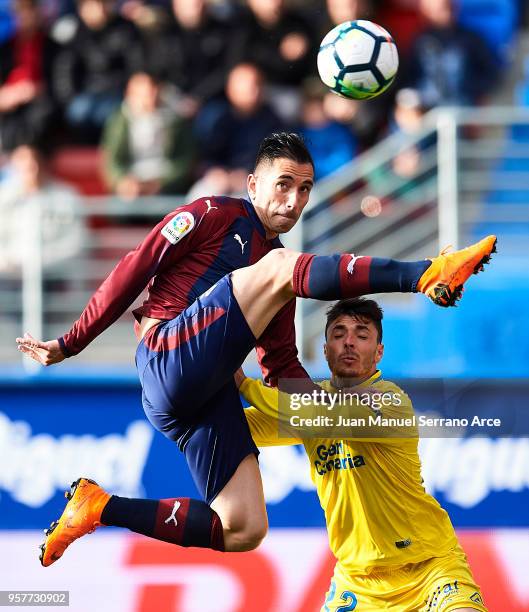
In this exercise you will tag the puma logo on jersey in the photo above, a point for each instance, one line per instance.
(208, 202)
(172, 516)
(351, 264)
(239, 240)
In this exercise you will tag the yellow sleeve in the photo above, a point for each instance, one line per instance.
(264, 429)
(270, 401)
(265, 399)
(352, 418)
(262, 419)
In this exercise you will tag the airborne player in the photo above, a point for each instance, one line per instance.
(219, 285)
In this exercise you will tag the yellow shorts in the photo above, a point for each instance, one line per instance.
(440, 584)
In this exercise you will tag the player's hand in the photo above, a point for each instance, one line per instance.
(46, 353)
(239, 377)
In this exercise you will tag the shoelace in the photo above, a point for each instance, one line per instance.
(445, 250)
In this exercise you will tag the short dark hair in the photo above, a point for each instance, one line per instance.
(284, 145)
(357, 307)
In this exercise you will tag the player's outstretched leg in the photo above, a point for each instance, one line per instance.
(81, 515)
(182, 521)
(262, 289)
(440, 278)
(242, 509)
(443, 281)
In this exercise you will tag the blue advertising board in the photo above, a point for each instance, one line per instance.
(55, 429)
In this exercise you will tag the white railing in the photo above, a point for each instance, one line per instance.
(462, 180)
(471, 169)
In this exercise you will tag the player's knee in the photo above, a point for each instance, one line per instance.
(258, 533)
(252, 536)
(242, 533)
(280, 258)
(279, 264)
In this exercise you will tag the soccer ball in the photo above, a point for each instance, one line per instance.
(358, 59)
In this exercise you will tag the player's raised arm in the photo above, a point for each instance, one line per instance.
(361, 412)
(265, 399)
(167, 242)
(272, 402)
(263, 423)
(266, 432)
(46, 353)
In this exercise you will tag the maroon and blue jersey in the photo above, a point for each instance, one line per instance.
(182, 257)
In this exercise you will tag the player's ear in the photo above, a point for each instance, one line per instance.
(379, 353)
(251, 184)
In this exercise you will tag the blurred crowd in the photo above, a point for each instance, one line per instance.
(177, 94)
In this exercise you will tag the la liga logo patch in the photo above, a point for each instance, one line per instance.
(180, 225)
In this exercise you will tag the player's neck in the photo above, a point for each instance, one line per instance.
(342, 382)
(269, 234)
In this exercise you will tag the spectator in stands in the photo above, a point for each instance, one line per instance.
(92, 68)
(149, 17)
(367, 120)
(496, 22)
(231, 136)
(148, 149)
(31, 202)
(339, 11)
(331, 143)
(25, 107)
(192, 54)
(449, 65)
(406, 173)
(407, 121)
(283, 45)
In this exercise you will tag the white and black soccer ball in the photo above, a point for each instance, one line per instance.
(358, 59)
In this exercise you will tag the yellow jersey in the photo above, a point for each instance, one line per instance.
(377, 511)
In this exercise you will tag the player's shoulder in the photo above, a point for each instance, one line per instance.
(400, 397)
(325, 384)
(216, 208)
(210, 210)
(227, 202)
(212, 202)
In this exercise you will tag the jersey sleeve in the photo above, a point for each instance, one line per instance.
(277, 353)
(262, 418)
(275, 404)
(165, 244)
(280, 414)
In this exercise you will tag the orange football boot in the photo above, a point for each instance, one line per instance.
(443, 281)
(82, 515)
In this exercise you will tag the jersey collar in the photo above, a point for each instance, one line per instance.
(376, 376)
(372, 379)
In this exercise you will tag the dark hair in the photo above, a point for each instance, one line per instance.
(287, 145)
(357, 307)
